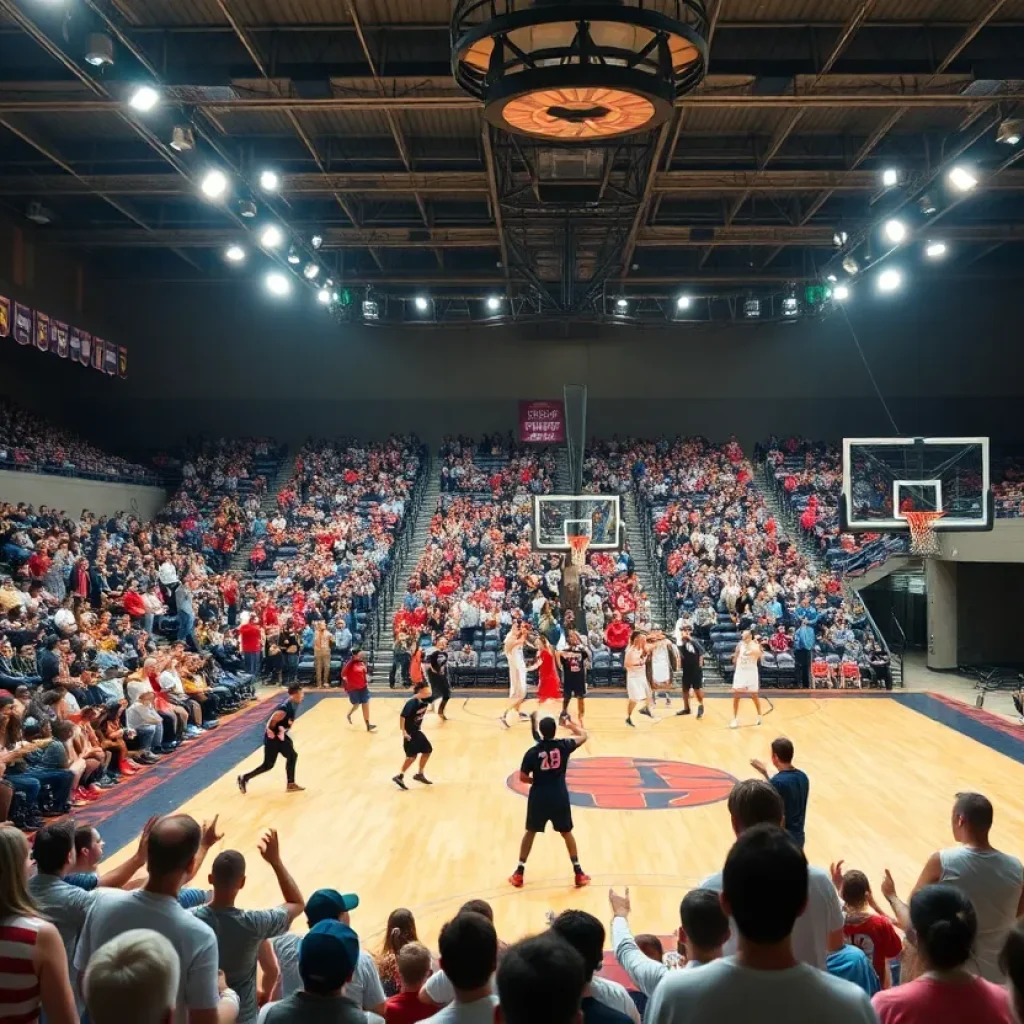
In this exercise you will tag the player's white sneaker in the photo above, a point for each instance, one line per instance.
(734, 724)
(758, 720)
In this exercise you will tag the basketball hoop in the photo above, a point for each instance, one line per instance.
(923, 538)
(578, 544)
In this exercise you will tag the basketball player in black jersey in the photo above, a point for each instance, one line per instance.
(575, 660)
(436, 666)
(277, 741)
(543, 770)
(413, 740)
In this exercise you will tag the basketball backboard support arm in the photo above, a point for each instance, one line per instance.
(883, 477)
(574, 397)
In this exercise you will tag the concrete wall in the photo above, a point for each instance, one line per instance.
(71, 494)
(1005, 543)
(988, 613)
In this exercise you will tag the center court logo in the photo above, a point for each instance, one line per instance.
(639, 783)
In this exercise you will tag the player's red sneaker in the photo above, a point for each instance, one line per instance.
(516, 880)
(582, 879)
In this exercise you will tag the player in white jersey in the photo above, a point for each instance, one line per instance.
(746, 679)
(514, 646)
(663, 664)
(638, 689)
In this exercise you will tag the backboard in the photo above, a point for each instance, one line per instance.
(556, 517)
(886, 477)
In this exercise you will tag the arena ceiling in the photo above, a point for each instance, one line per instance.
(381, 154)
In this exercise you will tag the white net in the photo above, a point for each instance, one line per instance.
(923, 538)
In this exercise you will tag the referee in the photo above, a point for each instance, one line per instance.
(691, 658)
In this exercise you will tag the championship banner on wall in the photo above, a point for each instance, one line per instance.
(541, 421)
(42, 332)
(61, 332)
(22, 324)
(48, 335)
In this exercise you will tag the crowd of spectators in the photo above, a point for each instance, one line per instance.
(478, 572)
(31, 444)
(808, 478)
(1008, 486)
(730, 565)
(767, 935)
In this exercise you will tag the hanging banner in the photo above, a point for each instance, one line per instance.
(97, 354)
(541, 422)
(86, 357)
(110, 359)
(42, 332)
(61, 330)
(75, 339)
(5, 317)
(22, 324)
(122, 362)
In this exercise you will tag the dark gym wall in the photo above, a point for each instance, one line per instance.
(988, 613)
(228, 359)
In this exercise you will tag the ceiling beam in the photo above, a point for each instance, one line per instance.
(455, 101)
(499, 220)
(789, 123)
(460, 184)
(893, 118)
(640, 217)
(483, 237)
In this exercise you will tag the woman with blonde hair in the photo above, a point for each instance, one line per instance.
(36, 971)
(401, 929)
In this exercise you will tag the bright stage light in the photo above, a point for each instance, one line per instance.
(962, 179)
(293, 257)
(840, 293)
(683, 302)
(622, 304)
(935, 250)
(278, 284)
(422, 304)
(890, 280)
(751, 308)
(310, 270)
(832, 278)
(323, 296)
(234, 254)
(895, 231)
(214, 184)
(270, 181)
(316, 241)
(890, 177)
(144, 98)
(493, 303)
(271, 237)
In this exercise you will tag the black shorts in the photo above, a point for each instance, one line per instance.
(543, 809)
(417, 743)
(693, 682)
(575, 687)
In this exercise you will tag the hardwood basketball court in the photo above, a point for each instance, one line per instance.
(883, 774)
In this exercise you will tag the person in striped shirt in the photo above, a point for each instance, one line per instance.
(33, 965)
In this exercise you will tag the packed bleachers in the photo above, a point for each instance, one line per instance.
(31, 444)
(807, 478)
(730, 565)
(330, 547)
(1008, 486)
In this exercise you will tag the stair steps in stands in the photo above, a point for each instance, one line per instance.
(420, 525)
(285, 471)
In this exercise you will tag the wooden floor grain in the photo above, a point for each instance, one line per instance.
(882, 784)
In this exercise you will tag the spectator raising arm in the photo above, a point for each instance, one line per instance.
(270, 850)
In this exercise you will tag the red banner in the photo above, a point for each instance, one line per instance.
(5, 317)
(541, 421)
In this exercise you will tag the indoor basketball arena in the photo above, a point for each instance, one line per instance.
(511, 511)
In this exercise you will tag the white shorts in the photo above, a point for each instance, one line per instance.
(746, 682)
(516, 684)
(637, 689)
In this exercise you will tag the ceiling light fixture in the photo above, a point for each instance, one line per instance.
(271, 237)
(316, 241)
(270, 181)
(935, 250)
(841, 293)
(895, 231)
(962, 179)
(1011, 131)
(214, 184)
(421, 303)
(182, 138)
(310, 271)
(143, 98)
(890, 280)
(234, 254)
(100, 50)
(890, 177)
(323, 297)
(278, 283)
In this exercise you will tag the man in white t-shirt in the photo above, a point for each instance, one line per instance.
(819, 928)
(171, 857)
(765, 889)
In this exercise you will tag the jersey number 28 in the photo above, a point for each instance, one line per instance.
(550, 760)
